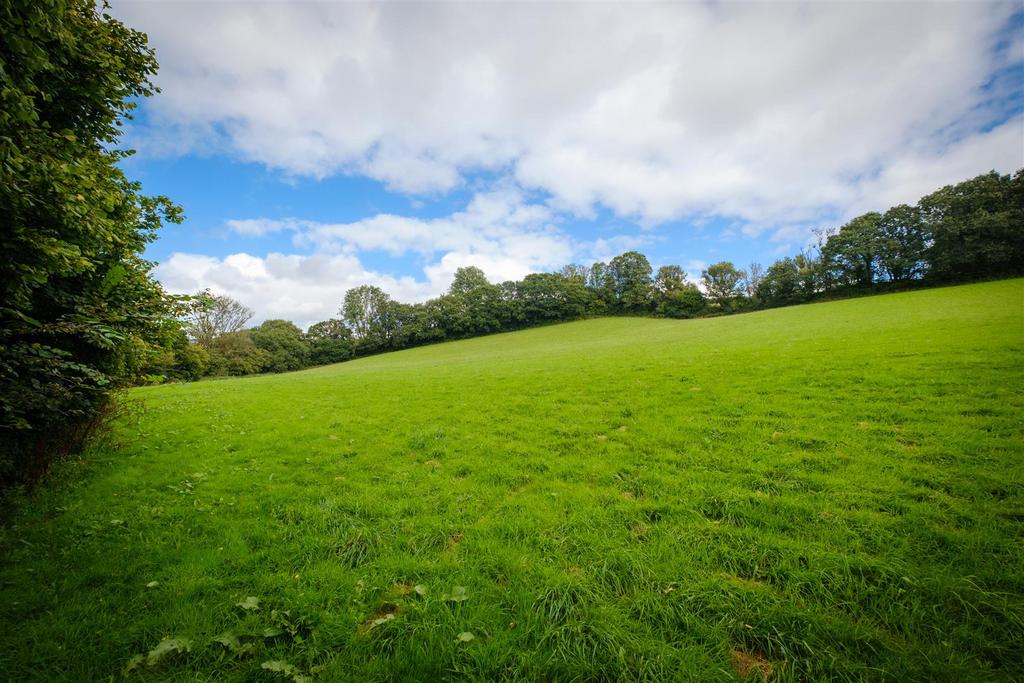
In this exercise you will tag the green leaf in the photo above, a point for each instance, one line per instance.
(278, 666)
(229, 640)
(110, 280)
(287, 669)
(133, 664)
(166, 647)
(250, 603)
(458, 594)
(382, 620)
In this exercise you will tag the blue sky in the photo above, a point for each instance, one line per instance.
(315, 147)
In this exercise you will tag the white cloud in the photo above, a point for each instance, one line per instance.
(499, 232)
(495, 222)
(304, 289)
(257, 227)
(918, 172)
(310, 288)
(607, 248)
(768, 112)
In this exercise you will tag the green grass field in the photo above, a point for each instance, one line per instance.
(832, 491)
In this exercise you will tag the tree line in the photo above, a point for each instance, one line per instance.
(968, 231)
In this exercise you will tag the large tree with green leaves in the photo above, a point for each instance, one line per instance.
(901, 243)
(329, 342)
(79, 312)
(724, 284)
(547, 297)
(975, 228)
(284, 343)
(369, 312)
(235, 353)
(850, 256)
(674, 296)
(629, 277)
(211, 315)
(475, 304)
(780, 285)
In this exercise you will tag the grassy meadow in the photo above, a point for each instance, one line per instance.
(825, 492)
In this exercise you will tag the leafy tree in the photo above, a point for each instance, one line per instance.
(404, 325)
(629, 277)
(548, 297)
(602, 289)
(79, 312)
(975, 228)
(330, 341)
(781, 284)
(512, 314)
(284, 343)
(901, 243)
(687, 302)
(723, 284)
(190, 361)
(468, 279)
(752, 279)
(809, 270)
(669, 278)
(176, 358)
(576, 270)
(367, 311)
(431, 321)
(234, 353)
(475, 304)
(851, 255)
(212, 315)
(674, 296)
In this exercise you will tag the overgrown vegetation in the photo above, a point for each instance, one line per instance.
(969, 231)
(826, 492)
(79, 313)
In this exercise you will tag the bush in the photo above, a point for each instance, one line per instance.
(234, 353)
(79, 313)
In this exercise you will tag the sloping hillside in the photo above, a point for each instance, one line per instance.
(831, 491)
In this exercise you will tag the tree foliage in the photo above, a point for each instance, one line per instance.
(473, 304)
(975, 228)
(79, 312)
(676, 298)
(723, 284)
(629, 283)
(901, 243)
(211, 315)
(850, 256)
(235, 353)
(368, 312)
(284, 343)
(330, 341)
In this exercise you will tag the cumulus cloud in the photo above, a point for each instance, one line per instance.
(917, 172)
(494, 222)
(768, 112)
(301, 288)
(498, 231)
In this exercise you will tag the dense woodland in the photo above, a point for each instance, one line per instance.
(81, 315)
(969, 231)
